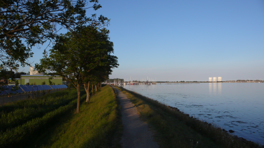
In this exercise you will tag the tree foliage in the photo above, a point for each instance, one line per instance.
(24, 23)
(80, 56)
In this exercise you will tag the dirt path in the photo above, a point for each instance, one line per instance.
(136, 133)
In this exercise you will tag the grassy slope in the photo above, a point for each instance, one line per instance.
(97, 125)
(26, 131)
(175, 129)
(20, 112)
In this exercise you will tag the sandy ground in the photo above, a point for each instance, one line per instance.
(136, 133)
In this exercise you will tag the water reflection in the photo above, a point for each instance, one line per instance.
(215, 88)
(210, 88)
(219, 85)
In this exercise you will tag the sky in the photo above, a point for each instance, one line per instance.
(177, 40)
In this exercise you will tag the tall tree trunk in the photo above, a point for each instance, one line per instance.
(98, 86)
(95, 87)
(87, 87)
(79, 97)
(92, 89)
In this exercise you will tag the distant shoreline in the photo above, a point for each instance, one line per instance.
(260, 81)
(229, 81)
(134, 82)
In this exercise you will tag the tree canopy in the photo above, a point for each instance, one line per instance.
(24, 23)
(81, 56)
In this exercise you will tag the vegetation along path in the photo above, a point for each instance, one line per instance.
(135, 132)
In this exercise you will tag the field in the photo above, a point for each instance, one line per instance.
(51, 121)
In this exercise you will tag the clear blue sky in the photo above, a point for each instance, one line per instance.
(184, 39)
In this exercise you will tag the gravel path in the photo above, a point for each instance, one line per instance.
(136, 133)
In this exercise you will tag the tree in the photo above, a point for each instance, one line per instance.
(94, 75)
(75, 55)
(24, 23)
(93, 78)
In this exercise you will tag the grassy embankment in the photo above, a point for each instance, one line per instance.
(50, 121)
(173, 128)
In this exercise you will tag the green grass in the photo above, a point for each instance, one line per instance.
(33, 125)
(20, 112)
(173, 128)
(97, 125)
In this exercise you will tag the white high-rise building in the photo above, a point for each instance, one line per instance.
(210, 79)
(214, 79)
(219, 78)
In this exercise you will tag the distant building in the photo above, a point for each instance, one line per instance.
(219, 78)
(210, 79)
(214, 79)
(34, 72)
(40, 80)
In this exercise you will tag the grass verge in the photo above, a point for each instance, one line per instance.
(173, 128)
(97, 125)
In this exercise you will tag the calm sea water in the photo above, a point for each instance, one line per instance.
(231, 106)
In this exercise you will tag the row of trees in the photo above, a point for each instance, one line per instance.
(83, 56)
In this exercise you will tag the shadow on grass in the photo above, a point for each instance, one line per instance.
(43, 137)
(105, 135)
(9, 107)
